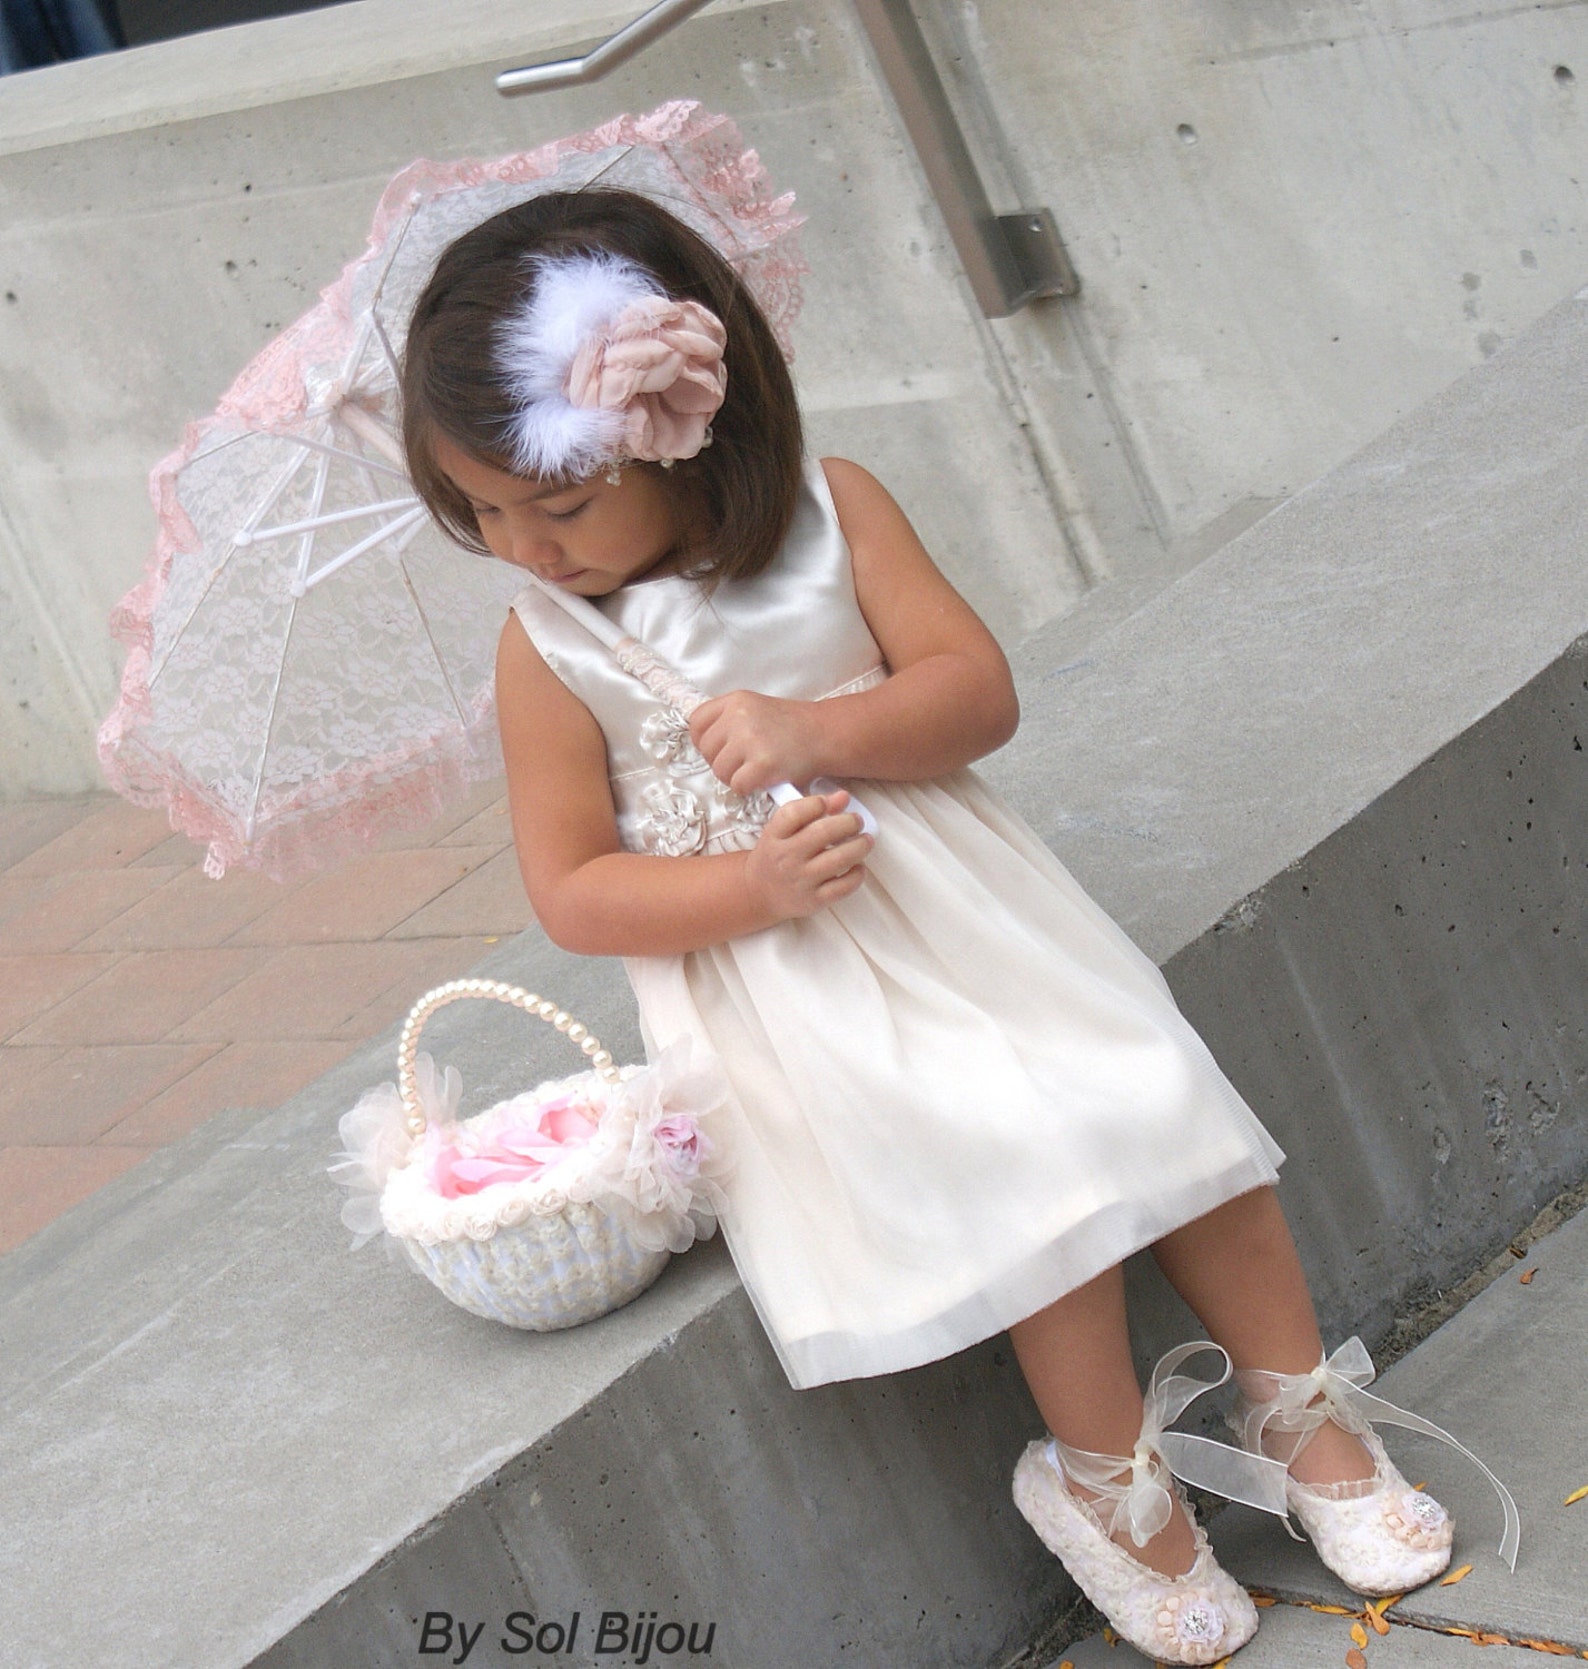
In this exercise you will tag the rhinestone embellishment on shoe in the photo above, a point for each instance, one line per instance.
(1416, 1519)
(1197, 1622)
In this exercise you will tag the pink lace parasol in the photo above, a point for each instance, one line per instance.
(310, 659)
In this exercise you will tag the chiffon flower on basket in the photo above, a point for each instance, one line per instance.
(603, 368)
(665, 1180)
(376, 1139)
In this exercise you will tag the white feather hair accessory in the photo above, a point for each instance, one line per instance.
(603, 367)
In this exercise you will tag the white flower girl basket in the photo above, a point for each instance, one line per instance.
(552, 1207)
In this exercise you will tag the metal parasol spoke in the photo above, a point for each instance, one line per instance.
(330, 519)
(413, 520)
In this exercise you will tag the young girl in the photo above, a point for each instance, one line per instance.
(960, 1095)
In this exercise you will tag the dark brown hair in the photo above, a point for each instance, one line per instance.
(746, 481)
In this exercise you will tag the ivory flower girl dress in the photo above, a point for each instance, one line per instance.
(958, 1093)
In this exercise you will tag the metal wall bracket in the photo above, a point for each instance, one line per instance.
(1010, 259)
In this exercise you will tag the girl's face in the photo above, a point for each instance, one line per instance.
(589, 538)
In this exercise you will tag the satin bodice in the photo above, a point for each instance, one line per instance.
(794, 630)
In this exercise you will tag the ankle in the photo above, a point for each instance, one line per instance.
(1311, 1440)
(1170, 1551)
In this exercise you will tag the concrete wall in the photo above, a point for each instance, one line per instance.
(1292, 222)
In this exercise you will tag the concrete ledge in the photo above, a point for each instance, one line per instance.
(228, 1441)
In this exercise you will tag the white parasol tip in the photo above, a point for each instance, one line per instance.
(242, 537)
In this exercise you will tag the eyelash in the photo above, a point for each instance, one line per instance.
(481, 510)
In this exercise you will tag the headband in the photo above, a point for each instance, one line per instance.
(603, 367)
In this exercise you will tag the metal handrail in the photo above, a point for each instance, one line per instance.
(628, 42)
(1009, 259)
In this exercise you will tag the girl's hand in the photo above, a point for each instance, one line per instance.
(809, 856)
(751, 741)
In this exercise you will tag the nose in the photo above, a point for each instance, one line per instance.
(532, 550)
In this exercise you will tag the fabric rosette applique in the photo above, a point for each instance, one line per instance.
(659, 363)
(603, 368)
(673, 824)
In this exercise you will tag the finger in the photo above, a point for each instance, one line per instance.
(704, 716)
(751, 776)
(829, 830)
(841, 886)
(837, 859)
(788, 820)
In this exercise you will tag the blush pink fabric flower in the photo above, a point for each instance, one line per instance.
(517, 1151)
(660, 364)
(681, 1143)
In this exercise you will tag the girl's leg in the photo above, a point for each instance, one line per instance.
(1238, 1270)
(1075, 1356)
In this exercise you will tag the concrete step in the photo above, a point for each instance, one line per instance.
(1332, 778)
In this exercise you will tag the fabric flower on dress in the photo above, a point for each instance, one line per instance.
(674, 825)
(664, 735)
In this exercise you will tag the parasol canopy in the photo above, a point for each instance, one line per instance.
(310, 659)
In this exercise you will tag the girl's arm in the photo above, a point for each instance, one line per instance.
(591, 896)
(950, 699)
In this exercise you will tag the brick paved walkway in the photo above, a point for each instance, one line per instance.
(138, 997)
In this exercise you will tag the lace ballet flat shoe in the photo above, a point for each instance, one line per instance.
(1198, 1617)
(1378, 1534)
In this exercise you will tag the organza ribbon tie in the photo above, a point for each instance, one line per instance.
(1335, 1390)
(1144, 1503)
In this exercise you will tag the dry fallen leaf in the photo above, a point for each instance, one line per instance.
(1359, 1634)
(1575, 1496)
(1455, 1576)
(1484, 1638)
(1376, 1618)
(1263, 1601)
(1526, 1277)
(1109, 1637)
(1553, 1647)
(1329, 1610)
(1355, 1660)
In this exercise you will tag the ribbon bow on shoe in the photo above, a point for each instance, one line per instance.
(1379, 1535)
(1199, 1616)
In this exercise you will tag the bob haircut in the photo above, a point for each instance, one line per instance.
(747, 481)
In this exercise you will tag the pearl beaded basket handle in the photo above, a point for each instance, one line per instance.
(494, 990)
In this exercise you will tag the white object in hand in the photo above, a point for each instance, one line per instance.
(783, 792)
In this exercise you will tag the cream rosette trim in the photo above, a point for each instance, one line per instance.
(376, 1142)
(656, 1160)
(603, 368)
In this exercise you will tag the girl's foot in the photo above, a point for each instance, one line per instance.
(1194, 1615)
(1171, 1552)
(1368, 1525)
